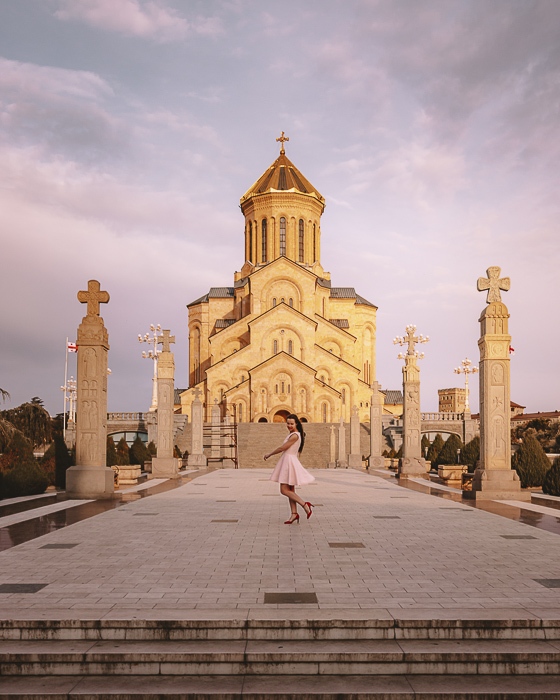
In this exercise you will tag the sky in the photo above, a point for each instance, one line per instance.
(129, 130)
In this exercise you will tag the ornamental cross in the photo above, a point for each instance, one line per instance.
(197, 393)
(93, 297)
(410, 339)
(282, 139)
(493, 284)
(165, 339)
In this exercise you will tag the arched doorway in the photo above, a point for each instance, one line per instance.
(280, 416)
(262, 420)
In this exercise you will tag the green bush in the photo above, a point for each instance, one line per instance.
(448, 453)
(152, 449)
(530, 462)
(471, 453)
(62, 460)
(24, 480)
(111, 452)
(139, 452)
(434, 449)
(551, 483)
(123, 456)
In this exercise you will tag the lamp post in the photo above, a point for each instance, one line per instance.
(466, 369)
(152, 355)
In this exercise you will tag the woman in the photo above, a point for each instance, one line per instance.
(289, 471)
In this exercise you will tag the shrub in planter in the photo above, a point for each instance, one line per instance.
(24, 480)
(530, 462)
(551, 483)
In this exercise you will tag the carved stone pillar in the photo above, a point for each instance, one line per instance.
(197, 457)
(342, 456)
(411, 463)
(332, 446)
(376, 459)
(355, 456)
(164, 464)
(91, 478)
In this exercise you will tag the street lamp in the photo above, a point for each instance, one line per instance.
(466, 369)
(152, 355)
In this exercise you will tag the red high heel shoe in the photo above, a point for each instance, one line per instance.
(293, 519)
(310, 506)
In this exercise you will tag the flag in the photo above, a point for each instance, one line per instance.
(72, 347)
(511, 350)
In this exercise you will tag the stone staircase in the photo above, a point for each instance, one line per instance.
(327, 656)
(254, 439)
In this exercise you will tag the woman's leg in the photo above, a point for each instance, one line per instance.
(290, 492)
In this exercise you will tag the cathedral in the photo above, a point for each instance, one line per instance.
(282, 339)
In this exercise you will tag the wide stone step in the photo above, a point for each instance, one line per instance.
(331, 687)
(281, 657)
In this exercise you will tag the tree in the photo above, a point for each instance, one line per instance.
(4, 394)
(530, 462)
(448, 453)
(435, 448)
(471, 453)
(152, 449)
(551, 482)
(425, 445)
(123, 456)
(111, 452)
(139, 452)
(21, 475)
(32, 419)
(62, 460)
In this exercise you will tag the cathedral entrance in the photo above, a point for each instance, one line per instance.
(280, 416)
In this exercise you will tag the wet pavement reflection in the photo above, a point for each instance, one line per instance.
(12, 535)
(541, 521)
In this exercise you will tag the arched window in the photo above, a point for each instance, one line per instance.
(263, 241)
(314, 243)
(290, 347)
(242, 379)
(275, 347)
(322, 377)
(282, 235)
(282, 300)
(343, 396)
(289, 387)
(291, 301)
(274, 301)
(324, 412)
(301, 241)
(276, 388)
(240, 411)
(250, 241)
(283, 387)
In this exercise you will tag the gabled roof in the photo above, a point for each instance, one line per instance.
(349, 293)
(282, 176)
(393, 396)
(214, 293)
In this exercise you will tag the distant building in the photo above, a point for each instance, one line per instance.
(451, 400)
(393, 402)
(516, 409)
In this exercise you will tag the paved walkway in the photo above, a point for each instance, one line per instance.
(218, 544)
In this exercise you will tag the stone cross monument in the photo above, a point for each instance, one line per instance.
(376, 459)
(355, 456)
(411, 463)
(91, 478)
(165, 464)
(342, 456)
(494, 478)
(197, 457)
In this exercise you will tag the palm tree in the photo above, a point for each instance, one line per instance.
(4, 394)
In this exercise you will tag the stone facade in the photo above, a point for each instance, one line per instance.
(282, 339)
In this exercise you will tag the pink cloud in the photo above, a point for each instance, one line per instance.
(136, 18)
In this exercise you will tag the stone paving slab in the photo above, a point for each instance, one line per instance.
(161, 554)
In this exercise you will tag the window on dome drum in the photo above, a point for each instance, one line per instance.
(275, 347)
(250, 241)
(274, 301)
(301, 241)
(324, 412)
(240, 419)
(276, 388)
(282, 235)
(283, 387)
(291, 301)
(290, 347)
(289, 387)
(263, 241)
(314, 243)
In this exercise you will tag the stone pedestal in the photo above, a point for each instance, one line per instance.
(91, 478)
(355, 456)
(376, 459)
(452, 474)
(197, 457)
(342, 457)
(332, 446)
(494, 478)
(129, 474)
(164, 464)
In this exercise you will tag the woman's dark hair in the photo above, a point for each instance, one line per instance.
(299, 429)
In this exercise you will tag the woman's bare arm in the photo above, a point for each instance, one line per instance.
(291, 440)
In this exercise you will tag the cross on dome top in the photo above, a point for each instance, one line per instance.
(93, 297)
(282, 139)
(165, 339)
(493, 284)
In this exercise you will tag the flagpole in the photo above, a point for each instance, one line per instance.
(65, 389)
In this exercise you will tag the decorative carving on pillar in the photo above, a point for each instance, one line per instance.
(376, 459)
(165, 465)
(412, 462)
(196, 455)
(355, 456)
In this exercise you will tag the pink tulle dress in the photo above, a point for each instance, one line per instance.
(288, 469)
